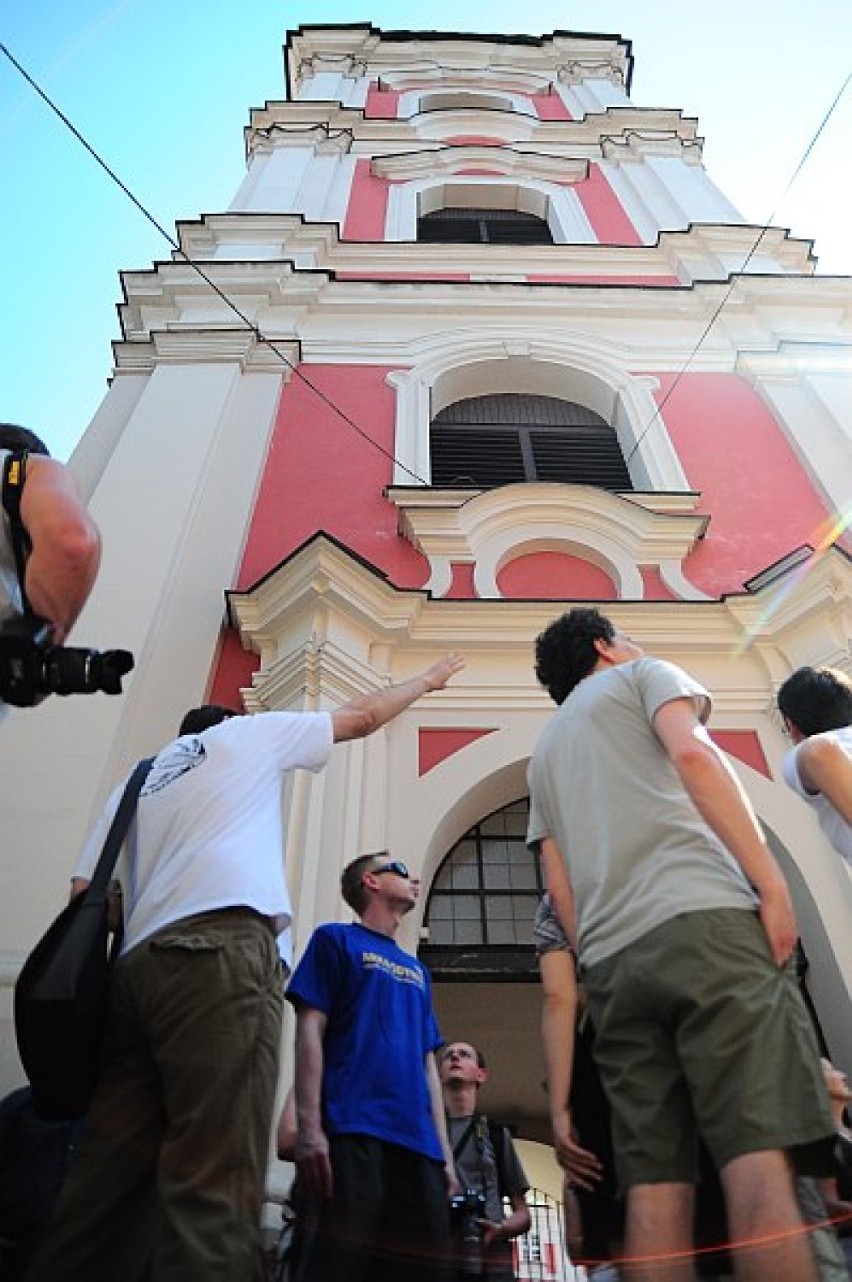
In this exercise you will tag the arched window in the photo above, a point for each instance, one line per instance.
(470, 226)
(481, 906)
(486, 441)
(464, 100)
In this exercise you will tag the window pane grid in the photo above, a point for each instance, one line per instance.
(485, 892)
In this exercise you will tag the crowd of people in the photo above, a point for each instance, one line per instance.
(679, 1052)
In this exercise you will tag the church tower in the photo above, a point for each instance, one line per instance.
(477, 339)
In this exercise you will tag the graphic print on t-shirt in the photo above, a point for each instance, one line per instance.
(181, 756)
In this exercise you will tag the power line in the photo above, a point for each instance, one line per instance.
(271, 344)
(735, 277)
(249, 324)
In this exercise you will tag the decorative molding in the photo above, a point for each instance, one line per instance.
(633, 145)
(462, 363)
(433, 163)
(579, 69)
(206, 346)
(490, 528)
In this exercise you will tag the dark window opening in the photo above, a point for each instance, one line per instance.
(481, 907)
(486, 441)
(458, 225)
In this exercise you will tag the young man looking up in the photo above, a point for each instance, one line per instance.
(684, 927)
(486, 1164)
(173, 1169)
(374, 1166)
(816, 704)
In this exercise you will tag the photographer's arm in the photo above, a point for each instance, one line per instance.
(66, 546)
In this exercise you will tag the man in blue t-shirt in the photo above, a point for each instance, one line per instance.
(374, 1166)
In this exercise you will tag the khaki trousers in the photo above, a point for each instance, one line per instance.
(169, 1184)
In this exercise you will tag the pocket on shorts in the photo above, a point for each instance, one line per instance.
(202, 942)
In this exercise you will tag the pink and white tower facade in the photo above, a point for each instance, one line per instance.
(476, 386)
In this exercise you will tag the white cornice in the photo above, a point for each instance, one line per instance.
(207, 346)
(636, 145)
(321, 614)
(303, 124)
(501, 160)
(704, 251)
(364, 51)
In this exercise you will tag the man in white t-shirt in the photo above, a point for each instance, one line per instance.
(816, 704)
(171, 1177)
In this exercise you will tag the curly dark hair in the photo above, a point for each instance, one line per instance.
(816, 699)
(565, 651)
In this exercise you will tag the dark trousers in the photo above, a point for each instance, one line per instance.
(387, 1219)
(172, 1173)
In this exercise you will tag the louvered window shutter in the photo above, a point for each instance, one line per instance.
(486, 441)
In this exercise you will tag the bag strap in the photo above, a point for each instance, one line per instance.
(497, 1135)
(462, 1140)
(97, 889)
(14, 475)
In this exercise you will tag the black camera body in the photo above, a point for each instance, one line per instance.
(466, 1210)
(31, 667)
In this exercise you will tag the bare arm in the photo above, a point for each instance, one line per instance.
(286, 1132)
(825, 767)
(558, 1023)
(66, 546)
(513, 1226)
(722, 803)
(439, 1117)
(312, 1156)
(362, 716)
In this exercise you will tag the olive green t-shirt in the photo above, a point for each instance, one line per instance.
(602, 785)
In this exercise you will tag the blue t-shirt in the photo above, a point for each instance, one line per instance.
(380, 1028)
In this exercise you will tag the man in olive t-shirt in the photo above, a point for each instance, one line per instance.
(683, 926)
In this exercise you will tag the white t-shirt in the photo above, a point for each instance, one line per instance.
(207, 832)
(835, 827)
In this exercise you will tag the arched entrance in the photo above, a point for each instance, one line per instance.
(477, 943)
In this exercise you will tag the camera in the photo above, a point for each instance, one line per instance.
(466, 1210)
(32, 668)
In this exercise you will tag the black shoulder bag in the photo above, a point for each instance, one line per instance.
(61, 992)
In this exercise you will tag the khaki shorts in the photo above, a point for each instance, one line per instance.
(697, 1030)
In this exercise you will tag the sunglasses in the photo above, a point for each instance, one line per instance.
(396, 866)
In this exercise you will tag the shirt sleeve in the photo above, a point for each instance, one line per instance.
(661, 682)
(318, 976)
(514, 1179)
(300, 740)
(89, 855)
(538, 824)
(548, 935)
(790, 770)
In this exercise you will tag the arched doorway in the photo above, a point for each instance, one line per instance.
(477, 943)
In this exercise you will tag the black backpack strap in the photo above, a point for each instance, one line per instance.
(497, 1136)
(14, 475)
(97, 888)
(458, 1147)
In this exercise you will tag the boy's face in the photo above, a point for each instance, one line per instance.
(460, 1064)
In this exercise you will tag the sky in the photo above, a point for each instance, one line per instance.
(163, 90)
